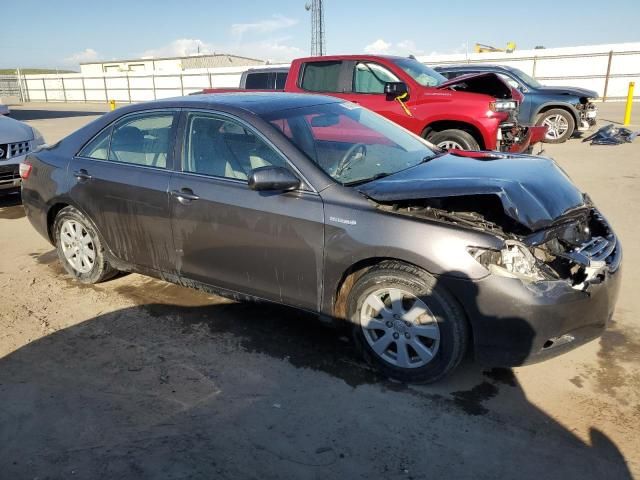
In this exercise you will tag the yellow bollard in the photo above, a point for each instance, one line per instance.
(112, 104)
(627, 109)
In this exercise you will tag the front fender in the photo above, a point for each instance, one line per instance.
(356, 236)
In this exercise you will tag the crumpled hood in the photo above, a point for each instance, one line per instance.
(14, 131)
(578, 92)
(534, 191)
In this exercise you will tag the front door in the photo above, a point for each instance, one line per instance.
(121, 179)
(266, 244)
(369, 79)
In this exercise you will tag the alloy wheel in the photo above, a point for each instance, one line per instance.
(400, 327)
(557, 126)
(450, 144)
(77, 246)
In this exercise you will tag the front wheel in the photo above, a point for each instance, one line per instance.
(405, 324)
(79, 247)
(452, 138)
(560, 125)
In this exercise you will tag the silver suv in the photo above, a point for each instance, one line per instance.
(16, 140)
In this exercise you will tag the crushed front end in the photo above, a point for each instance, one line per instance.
(543, 272)
(516, 138)
(588, 112)
(548, 292)
(545, 292)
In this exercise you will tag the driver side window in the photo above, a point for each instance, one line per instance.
(371, 77)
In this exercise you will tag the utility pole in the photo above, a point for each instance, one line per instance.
(318, 46)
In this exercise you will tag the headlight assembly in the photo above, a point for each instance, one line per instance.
(513, 261)
(503, 105)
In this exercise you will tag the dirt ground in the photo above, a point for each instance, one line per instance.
(137, 378)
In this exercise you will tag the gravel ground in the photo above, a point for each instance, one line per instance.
(137, 378)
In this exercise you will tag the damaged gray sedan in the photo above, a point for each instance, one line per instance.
(319, 204)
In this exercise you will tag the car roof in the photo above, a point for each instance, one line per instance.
(364, 56)
(253, 102)
(268, 69)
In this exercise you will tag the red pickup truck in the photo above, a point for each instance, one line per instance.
(470, 112)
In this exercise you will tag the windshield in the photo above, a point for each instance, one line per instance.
(349, 143)
(422, 74)
(526, 79)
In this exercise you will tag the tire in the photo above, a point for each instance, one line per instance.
(440, 334)
(80, 248)
(561, 125)
(452, 138)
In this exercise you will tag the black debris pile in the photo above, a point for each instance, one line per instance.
(611, 135)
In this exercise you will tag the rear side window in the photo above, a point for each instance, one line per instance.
(98, 148)
(321, 77)
(281, 80)
(258, 81)
(142, 139)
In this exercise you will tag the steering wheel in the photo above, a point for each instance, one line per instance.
(356, 152)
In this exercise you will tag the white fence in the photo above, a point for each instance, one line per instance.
(607, 69)
(126, 87)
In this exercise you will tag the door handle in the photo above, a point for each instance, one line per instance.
(82, 174)
(185, 195)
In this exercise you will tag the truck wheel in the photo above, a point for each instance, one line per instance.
(452, 138)
(79, 247)
(405, 324)
(560, 125)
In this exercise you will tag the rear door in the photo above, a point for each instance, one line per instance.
(267, 244)
(121, 179)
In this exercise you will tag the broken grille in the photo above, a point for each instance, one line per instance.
(599, 248)
(17, 149)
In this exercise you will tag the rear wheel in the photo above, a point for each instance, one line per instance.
(405, 324)
(560, 125)
(79, 247)
(453, 138)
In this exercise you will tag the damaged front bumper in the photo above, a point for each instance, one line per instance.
(531, 322)
(515, 138)
(588, 116)
(517, 322)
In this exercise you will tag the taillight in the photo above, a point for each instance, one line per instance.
(25, 170)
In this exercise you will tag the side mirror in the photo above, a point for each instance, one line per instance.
(395, 89)
(273, 178)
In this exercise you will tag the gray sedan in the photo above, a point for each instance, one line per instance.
(317, 203)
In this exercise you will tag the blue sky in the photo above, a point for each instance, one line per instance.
(63, 33)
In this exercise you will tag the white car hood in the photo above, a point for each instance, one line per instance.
(14, 131)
